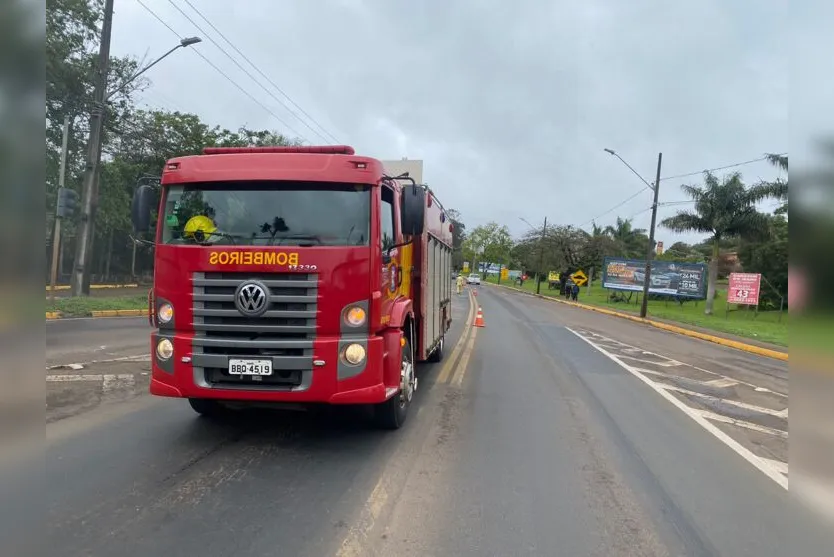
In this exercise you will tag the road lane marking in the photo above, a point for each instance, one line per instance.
(741, 423)
(731, 402)
(602, 340)
(457, 380)
(80, 365)
(446, 372)
(354, 543)
(761, 464)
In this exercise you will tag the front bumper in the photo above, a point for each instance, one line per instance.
(327, 380)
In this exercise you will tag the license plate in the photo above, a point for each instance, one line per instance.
(250, 367)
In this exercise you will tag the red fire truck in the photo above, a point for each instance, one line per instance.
(297, 275)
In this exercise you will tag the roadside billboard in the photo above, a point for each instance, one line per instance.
(684, 280)
(744, 288)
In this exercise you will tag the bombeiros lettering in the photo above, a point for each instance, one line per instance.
(280, 259)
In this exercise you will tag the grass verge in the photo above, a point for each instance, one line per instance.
(83, 306)
(764, 327)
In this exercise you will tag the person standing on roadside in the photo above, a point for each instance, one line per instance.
(460, 284)
(574, 292)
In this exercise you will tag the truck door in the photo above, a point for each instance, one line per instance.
(390, 280)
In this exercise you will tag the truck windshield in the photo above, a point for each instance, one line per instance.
(267, 213)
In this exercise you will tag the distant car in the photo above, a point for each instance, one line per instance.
(473, 279)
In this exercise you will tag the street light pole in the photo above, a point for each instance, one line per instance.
(541, 257)
(644, 307)
(89, 196)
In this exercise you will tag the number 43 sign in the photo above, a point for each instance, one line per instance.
(744, 288)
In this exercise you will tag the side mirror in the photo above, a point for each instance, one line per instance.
(413, 210)
(140, 208)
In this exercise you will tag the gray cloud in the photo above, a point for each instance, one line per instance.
(509, 104)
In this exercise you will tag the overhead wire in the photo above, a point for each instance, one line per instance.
(247, 72)
(672, 178)
(224, 74)
(257, 69)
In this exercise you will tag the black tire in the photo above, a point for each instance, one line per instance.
(437, 355)
(207, 407)
(392, 413)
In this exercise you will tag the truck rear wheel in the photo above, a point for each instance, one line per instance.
(392, 413)
(437, 355)
(207, 407)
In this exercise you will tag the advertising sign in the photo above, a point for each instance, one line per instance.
(744, 288)
(684, 280)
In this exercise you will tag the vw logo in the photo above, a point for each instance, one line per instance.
(252, 299)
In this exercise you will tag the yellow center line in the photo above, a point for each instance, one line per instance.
(446, 372)
(457, 380)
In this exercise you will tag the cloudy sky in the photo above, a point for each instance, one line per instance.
(510, 104)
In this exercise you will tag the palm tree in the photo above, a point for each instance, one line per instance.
(777, 189)
(724, 209)
(631, 240)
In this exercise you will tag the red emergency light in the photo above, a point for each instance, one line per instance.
(318, 149)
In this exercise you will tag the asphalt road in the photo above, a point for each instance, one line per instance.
(85, 339)
(550, 431)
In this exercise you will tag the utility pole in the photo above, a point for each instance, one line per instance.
(56, 239)
(541, 258)
(644, 308)
(89, 198)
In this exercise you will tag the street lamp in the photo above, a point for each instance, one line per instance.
(541, 251)
(644, 306)
(188, 41)
(89, 191)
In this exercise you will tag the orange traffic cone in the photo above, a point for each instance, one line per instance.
(479, 318)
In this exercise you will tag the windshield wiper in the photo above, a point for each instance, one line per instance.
(302, 237)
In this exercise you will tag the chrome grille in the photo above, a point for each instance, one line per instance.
(284, 333)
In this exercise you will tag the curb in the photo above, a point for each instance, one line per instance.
(766, 352)
(95, 286)
(51, 315)
(119, 313)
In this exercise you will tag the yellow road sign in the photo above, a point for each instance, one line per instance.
(579, 278)
(505, 273)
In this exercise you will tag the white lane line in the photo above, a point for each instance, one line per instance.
(736, 403)
(89, 377)
(602, 340)
(741, 423)
(721, 382)
(763, 466)
(80, 365)
(778, 465)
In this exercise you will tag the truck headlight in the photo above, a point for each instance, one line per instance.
(164, 349)
(354, 354)
(165, 313)
(355, 316)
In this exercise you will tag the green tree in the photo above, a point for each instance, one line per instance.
(778, 188)
(724, 209)
(769, 258)
(490, 243)
(631, 242)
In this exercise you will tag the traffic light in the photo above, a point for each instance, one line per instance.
(67, 202)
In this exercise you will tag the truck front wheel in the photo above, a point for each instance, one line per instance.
(392, 413)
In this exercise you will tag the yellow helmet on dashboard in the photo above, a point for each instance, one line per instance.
(198, 223)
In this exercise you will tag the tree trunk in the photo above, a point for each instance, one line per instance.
(713, 278)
